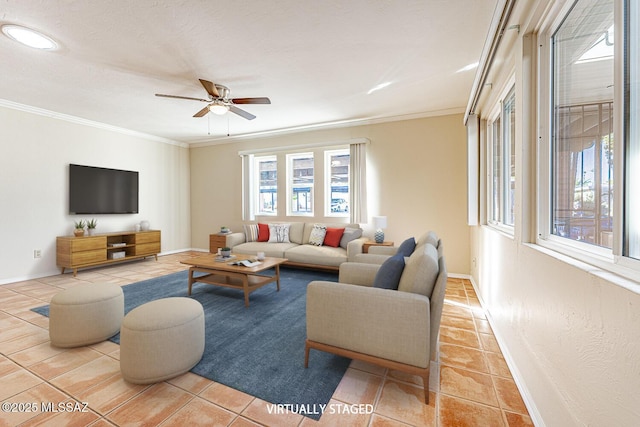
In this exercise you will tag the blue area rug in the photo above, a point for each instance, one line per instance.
(260, 349)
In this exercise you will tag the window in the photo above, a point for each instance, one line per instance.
(496, 170)
(315, 180)
(509, 145)
(267, 185)
(337, 182)
(631, 238)
(300, 183)
(502, 163)
(582, 138)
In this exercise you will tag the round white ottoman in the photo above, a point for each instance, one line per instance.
(161, 339)
(85, 315)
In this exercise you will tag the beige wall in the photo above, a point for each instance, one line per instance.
(35, 152)
(416, 176)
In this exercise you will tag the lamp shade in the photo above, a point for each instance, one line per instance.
(380, 222)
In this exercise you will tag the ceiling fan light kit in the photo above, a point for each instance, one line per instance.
(218, 108)
(219, 101)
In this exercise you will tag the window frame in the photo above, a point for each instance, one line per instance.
(623, 92)
(497, 219)
(612, 259)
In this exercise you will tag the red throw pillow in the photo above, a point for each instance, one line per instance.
(263, 232)
(333, 236)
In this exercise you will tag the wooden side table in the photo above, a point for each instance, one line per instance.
(216, 241)
(366, 245)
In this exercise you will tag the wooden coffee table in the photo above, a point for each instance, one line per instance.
(246, 279)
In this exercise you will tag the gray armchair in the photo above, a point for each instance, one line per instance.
(396, 329)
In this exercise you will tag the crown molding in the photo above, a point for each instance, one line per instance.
(77, 120)
(229, 139)
(326, 125)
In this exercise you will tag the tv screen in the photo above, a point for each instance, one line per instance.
(94, 190)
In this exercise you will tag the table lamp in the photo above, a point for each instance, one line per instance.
(379, 222)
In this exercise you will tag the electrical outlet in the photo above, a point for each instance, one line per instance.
(37, 253)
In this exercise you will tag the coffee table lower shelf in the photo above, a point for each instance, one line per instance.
(242, 281)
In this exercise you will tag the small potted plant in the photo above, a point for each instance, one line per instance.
(224, 229)
(79, 228)
(91, 226)
(225, 252)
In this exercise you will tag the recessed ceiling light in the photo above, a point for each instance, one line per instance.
(378, 87)
(29, 37)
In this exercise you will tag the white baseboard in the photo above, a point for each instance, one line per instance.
(536, 418)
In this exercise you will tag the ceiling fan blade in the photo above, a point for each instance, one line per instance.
(183, 97)
(242, 113)
(210, 88)
(262, 100)
(202, 112)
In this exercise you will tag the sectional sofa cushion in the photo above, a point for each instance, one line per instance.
(429, 237)
(317, 255)
(271, 250)
(420, 271)
(316, 237)
(389, 273)
(333, 236)
(350, 233)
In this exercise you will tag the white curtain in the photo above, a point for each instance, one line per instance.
(247, 197)
(358, 183)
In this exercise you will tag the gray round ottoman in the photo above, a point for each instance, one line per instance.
(85, 315)
(161, 339)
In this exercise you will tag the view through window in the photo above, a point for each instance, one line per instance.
(267, 168)
(337, 162)
(582, 125)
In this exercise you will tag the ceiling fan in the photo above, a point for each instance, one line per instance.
(219, 101)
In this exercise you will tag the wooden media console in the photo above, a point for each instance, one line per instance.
(89, 251)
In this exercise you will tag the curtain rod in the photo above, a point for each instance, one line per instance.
(499, 22)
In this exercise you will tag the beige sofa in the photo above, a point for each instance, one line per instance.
(396, 329)
(298, 251)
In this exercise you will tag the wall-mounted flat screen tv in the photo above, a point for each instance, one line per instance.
(94, 190)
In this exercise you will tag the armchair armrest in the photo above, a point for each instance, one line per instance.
(234, 239)
(383, 250)
(371, 258)
(357, 273)
(379, 322)
(354, 247)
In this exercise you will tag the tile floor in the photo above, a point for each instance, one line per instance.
(470, 383)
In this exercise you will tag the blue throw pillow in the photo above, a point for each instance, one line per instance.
(407, 247)
(388, 275)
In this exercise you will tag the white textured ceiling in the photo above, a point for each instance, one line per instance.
(315, 60)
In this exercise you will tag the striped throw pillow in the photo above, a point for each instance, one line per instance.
(251, 232)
